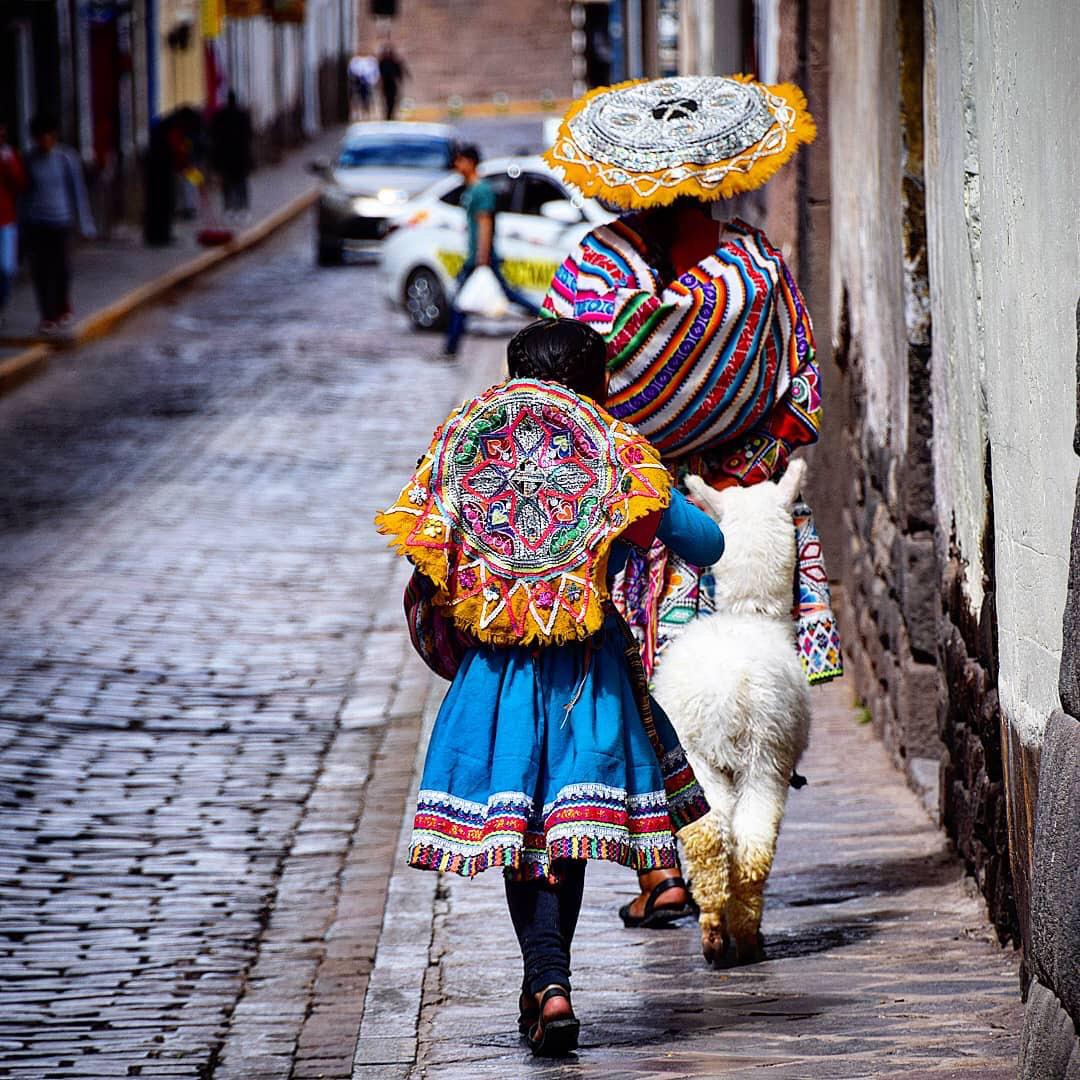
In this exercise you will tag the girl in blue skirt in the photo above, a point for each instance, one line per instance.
(548, 750)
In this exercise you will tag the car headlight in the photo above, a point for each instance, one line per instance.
(391, 196)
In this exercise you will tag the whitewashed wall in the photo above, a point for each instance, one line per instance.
(1005, 248)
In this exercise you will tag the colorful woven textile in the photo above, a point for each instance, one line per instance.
(512, 511)
(515, 779)
(437, 641)
(816, 630)
(659, 594)
(584, 821)
(721, 361)
(641, 144)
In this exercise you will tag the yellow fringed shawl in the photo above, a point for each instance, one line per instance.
(512, 511)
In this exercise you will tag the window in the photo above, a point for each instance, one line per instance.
(536, 190)
(407, 153)
(501, 184)
(503, 187)
(453, 196)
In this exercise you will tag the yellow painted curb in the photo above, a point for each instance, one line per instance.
(16, 370)
(432, 113)
(107, 318)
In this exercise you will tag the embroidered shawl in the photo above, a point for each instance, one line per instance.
(719, 362)
(512, 511)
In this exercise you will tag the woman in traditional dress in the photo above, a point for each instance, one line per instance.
(709, 344)
(547, 751)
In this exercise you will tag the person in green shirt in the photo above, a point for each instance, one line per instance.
(478, 202)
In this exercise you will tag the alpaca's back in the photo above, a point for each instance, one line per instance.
(736, 693)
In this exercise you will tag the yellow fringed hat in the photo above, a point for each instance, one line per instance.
(645, 143)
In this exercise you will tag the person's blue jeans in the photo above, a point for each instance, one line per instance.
(545, 917)
(459, 318)
(9, 255)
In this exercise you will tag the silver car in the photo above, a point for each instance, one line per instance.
(378, 168)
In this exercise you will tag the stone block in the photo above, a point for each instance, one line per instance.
(924, 775)
(917, 705)
(883, 537)
(918, 587)
(1055, 887)
(1049, 1048)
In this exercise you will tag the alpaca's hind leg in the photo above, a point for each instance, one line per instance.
(755, 824)
(707, 862)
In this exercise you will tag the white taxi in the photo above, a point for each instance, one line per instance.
(538, 222)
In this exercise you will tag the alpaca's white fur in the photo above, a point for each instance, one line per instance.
(733, 687)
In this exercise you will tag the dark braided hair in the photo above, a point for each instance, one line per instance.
(563, 351)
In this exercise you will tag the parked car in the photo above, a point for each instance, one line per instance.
(538, 221)
(378, 168)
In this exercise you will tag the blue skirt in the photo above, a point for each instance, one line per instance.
(554, 753)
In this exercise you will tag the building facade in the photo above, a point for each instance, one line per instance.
(112, 69)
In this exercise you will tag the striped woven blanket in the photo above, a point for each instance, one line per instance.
(717, 369)
(720, 361)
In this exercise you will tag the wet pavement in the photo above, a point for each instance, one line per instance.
(209, 718)
(201, 662)
(880, 960)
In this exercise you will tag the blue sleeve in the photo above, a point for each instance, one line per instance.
(690, 532)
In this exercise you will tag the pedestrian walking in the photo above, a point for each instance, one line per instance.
(55, 205)
(160, 186)
(392, 73)
(12, 185)
(363, 78)
(478, 202)
(230, 154)
(708, 337)
(547, 750)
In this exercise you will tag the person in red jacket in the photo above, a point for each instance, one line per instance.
(12, 185)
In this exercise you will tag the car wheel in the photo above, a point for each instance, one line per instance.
(328, 251)
(425, 300)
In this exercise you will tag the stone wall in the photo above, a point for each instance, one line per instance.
(478, 48)
(999, 186)
(954, 249)
(889, 607)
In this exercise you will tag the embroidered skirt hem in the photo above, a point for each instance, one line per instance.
(585, 821)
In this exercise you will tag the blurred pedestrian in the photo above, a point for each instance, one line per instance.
(230, 154)
(187, 143)
(160, 190)
(478, 202)
(12, 185)
(363, 77)
(54, 206)
(392, 73)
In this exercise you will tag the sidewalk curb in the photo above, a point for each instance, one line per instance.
(388, 1041)
(435, 112)
(22, 367)
(26, 365)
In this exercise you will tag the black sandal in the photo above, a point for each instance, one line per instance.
(655, 917)
(556, 1038)
(528, 1012)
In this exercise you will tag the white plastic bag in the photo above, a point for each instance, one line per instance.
(482, 295)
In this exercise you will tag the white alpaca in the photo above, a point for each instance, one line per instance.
(733, 687)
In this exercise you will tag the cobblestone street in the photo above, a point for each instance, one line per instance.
(209, 720)
(202, 657)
